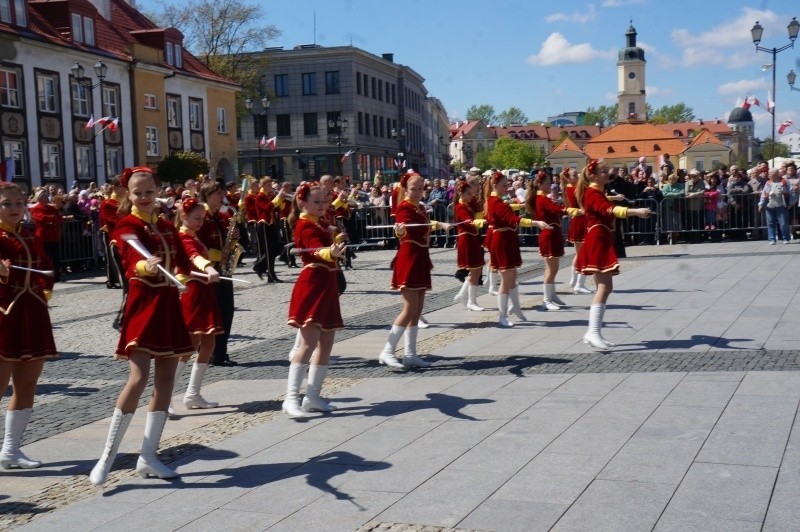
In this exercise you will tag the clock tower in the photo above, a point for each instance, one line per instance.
(630, 81)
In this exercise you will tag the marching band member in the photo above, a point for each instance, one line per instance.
(108, 220)
(266, 204)
(201, 311)
(504, 251)
(153, 326)
(597, 256)
(47, 221)
(470, 253)
(286, 231)
(577, 228)
(314, 306)
(248, 203)
(411, 273)
(551, 241)
(26, 336)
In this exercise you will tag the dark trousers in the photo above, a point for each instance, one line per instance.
(114, 275)
(224, 291)
(262, 251)
(53, 250)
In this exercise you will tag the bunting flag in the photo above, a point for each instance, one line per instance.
(108, 123)
(396, 163)
(90, 123)
(784, 126)
(347, 155)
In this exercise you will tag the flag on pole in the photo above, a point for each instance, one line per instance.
(272, 143)
(739, 102)
(770, 103)
(90, 123)
(784, 126)
(746, 103)
(263, 142)
(347, 155)
(113, 125)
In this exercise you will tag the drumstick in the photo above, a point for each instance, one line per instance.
(43, 272)
(137, 245)
(414, 225)
(297, 251)
(200, 274)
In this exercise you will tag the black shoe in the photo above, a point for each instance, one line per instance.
(228, 363)
(259, 273)
(461, 274)
(274, 279)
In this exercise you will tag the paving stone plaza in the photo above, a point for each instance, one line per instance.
(689, 424)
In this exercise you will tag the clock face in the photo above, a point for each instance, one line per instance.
(631, 75)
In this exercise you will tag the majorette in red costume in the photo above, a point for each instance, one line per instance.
(469, 251)
(412, 265)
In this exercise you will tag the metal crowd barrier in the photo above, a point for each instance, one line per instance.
(79, 243)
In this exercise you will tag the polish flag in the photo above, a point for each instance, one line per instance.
(263, 142)
(90, 123)
(754, 101)
(272, 143)
(113, 126)
(745, 104)
(784, 126)
(347, 155)
(770, 103)
(102, 121)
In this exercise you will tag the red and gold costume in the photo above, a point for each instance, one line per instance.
(504, 251)
(153, 320)
(315, 297)
(199, 302)
(47, 222)
(412, 264)
(251, 207)
(577, 224)
(597, 253)
(25, 330)
(109, 215)
(551, 242)
(213, 233)
(469, 251)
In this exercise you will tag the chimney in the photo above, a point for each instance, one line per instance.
(701, 121)
(388, 57)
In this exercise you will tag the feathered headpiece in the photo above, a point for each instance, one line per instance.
(189, 204)
(463, 186)
(304, 190)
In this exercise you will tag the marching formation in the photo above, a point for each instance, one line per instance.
(177, 277)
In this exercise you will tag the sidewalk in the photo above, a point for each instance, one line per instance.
(688, 425)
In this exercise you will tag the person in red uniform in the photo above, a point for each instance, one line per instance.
(47, 222)
(551, 241)
(248, 203)
(411, 274)
(504, 248)
(26, 336)
(469, 250)
(314, 307)
(109, 215)
(286, 231)
(577, 228)
(597, 255)
(267, 203)
(152, 327)
(201, 309)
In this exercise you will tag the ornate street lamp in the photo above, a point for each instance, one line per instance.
(262, 114)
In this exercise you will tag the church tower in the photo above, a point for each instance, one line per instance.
(630, 81)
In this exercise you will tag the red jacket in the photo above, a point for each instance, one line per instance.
(47, 221)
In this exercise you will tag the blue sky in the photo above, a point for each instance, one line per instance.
(551, 57)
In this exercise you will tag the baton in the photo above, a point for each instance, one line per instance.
(205, 275)
(43, 272)
(137, 245)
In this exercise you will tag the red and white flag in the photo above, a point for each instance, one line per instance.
(744, 104)
(90, 123)
(784, 126)
(263, 142)
(347, 155)
(268, 142)
(113, 126)
(770, 103)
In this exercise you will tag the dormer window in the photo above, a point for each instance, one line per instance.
(13, 12)
(174, 54)
(82, 29)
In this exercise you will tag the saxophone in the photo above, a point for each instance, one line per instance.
(231, 250)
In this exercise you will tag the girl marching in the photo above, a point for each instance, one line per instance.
(470, 253)
(551, 242)
(26, 336)
(577, 228)
(153, 326)
(597, 256)
(314, 306)
(411, 274)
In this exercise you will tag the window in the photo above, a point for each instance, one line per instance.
(9, 91)
(366, 122)
(387, 92)
(394, 99)
(260, 126)
(222, 120)
(151, 140)
(88, 31)
(380, 90)
(46, 90)
(110, 101)
(309, 83)
(632, 110)
(51, 161)
(173, 54)
(358, 82)
(13, 149)
(374, 95)
(150, 101)
(113, 161)
(366, 85)
(18, 16)
(77, 28)
(195, 115)
(178, 51)
(699, 165)
(333, 117)
(310, 124)
(82, 29)
(380, 123)
(360, 123)
(80, 99)
(83, 163)
(282, 85)
(332, 82)
(283, 124)
(173, 111)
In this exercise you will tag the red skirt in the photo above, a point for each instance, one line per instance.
(26, 332)
(315, 299)
(412, 268)
(487, 239)
(577, 229)
(201, 308)
(153, 323)
(551, 243)
(597, 253)
(504, 252)
(469, 251)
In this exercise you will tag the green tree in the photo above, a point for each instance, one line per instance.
(513, 153)
(179, 166)
(483, 159)
(512, 115)
(484, 113)
(605, 115)
(771, 149)
(680, 112)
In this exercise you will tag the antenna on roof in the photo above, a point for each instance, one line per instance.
(315, 26)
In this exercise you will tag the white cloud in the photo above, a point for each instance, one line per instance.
(576, 17)
(653, 53)
(557, 50)
(621, 3)
(657, 91)
(743, 87)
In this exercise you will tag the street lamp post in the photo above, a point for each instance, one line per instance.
(339, 126)
(756, 33)
(100, 70)
(263, 113)
(400, 137)
(791, 77)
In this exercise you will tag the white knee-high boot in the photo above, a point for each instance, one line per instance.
(387, 356)
(573, 277)
(313, 401)
(11, 455)
(600, 331)
(502, 305)
(119, 424)
(554, 296)
(513, 295)
(192, 398)
(410, 357)
(461, 296)
(148, 463)
(296, 345)
(291, 403)
(580, 285)
(490, 281)
(472, 303)
(171, 413)
(547, 298)
(592, 336)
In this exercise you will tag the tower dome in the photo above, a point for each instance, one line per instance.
(740, 114)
